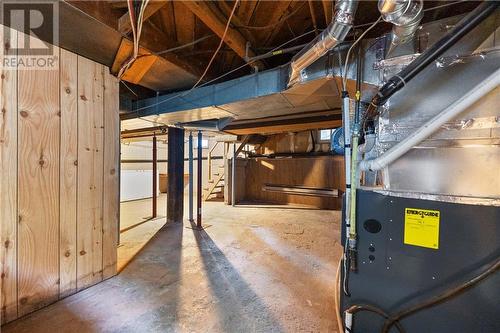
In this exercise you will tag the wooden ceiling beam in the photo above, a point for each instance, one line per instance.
(153, 38)
(236, 20)
(124, 25)
(211, 16)
(280, 10)
(156, 40)
(328, 9)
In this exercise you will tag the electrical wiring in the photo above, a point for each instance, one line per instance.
(444, 5)
(371, 308)
(136, 25)
(220, 45)
(129, 89)
(344, 79)
(272, 25)
(492, 268)
(131, 12)
(180, 47)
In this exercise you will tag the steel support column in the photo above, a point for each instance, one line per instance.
(175, 167)
(199, 187)
(155, 178)
(191, 175)
(233, 177)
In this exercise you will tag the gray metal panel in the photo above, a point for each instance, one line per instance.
(430, 93)
(463, 157)
(472, 171)
(400, 275)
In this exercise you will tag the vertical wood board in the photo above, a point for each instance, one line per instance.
(111, 194)
(38, 195)
(90, 169)
(8, 183)
(68, 174)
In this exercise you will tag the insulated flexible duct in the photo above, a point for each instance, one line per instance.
(331, 36)
(405, 15)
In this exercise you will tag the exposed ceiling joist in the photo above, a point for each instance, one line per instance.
(328, 9)
(272, 17)
(124, 25)
(211, 16)
(237, 21)
(156, 40)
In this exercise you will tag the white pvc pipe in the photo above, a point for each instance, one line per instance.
(433, 125)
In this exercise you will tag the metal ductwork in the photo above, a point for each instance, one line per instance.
(328, 39)
(405, 15)
(215, 125)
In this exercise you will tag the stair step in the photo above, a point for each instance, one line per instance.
(218, 186)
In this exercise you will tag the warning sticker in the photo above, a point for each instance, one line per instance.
(422, 227)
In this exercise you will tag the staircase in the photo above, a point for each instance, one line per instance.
(215, 188)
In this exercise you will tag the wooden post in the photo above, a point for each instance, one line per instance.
(175, 167)
(155, 175)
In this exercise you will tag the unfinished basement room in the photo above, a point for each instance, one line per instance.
(249, 166)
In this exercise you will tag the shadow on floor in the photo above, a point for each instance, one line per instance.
(239, 308)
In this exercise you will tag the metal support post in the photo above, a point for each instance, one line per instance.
(199, 187)
(191, 175)
(233, 177)
(155, 178)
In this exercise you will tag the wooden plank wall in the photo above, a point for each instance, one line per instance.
(325, 171)
(59, 169)
(8, 185)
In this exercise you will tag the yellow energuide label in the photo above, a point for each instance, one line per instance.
(422, 227)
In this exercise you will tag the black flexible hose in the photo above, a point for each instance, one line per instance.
(398, 81)
(441, 298)
(371, 308)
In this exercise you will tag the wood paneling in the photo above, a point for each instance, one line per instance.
(69, 169)
(8, 184)
(55, 233)
(111, 194)
(90, 158)
(327, 172)
(38, 195)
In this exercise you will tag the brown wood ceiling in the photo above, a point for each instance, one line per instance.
(263, 24)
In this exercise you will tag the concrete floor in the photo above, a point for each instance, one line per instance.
(137, 227)
(253, 269)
